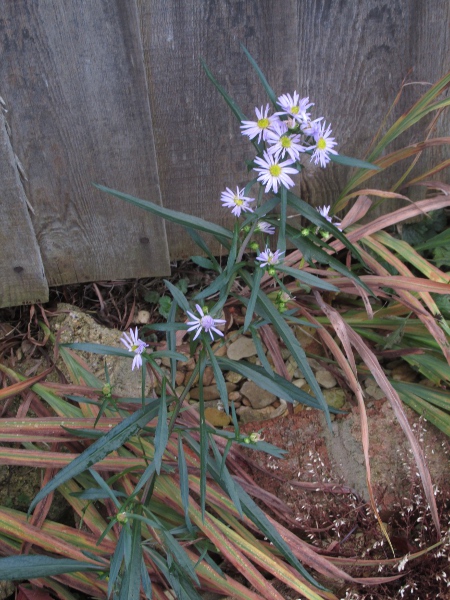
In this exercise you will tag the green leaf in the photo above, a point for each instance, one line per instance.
(184, 482)
(218, 375)
(152, 296)
(253, 297)
(202, 262)
(348, 161)
(116, 560)
(277, 385)
(203, 246)
(260, 351)
(165, 304)
(113, 440)
(171, 215)
(32, 567)
(262, 78)
(162, 430)
(131, 581)
(178, 296)
(228, 99)
(307, 278)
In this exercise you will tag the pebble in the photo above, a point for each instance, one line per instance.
(217, 418)
(143, 317)
(211, 392)
(243, 347)
(258, 397)
(233, 377)
(335, 397)
(325, 379)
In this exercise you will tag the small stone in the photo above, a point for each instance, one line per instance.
(211, 392)
(217, 418)
(404, 373)
(246, 402)
(258, 397)
(233, 377)
(299, 382)
(315, 366)
(325, 379)
(243, 347)
(189, 365)
(220, 349)
(179, 377)
(143, 317)
(291, 368)
(208, 376)
(285, 353)
(234, 396)
(375, 392)
(335, 397)
(247, 414)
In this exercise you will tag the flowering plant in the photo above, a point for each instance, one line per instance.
(179, 498)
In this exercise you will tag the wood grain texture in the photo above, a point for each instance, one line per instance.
(22, 278)
(73, 77)
(349, 57)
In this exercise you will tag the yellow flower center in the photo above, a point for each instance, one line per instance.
(134, 347)
(321, 144)
(286, 142)
(275, 170)
(294, 110)
(238, 201)
(263, 123)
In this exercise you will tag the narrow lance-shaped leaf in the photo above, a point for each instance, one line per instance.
(131, 581)
(31, 567)
(184, 482)
(99, 449)
(262, 78)
(162, 430)
(171, 215)
(253, 297)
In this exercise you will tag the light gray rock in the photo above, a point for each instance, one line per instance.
(325, 379)
(243, 347)
(258, 397)
(249, 415)
(211, 392)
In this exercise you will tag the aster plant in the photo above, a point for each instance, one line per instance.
(182, 463)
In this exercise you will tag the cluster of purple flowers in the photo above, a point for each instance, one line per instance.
(286, 134)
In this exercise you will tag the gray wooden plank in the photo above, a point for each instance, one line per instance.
(349, 57)
(22, 278)
(73, 77)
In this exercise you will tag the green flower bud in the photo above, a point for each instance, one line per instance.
(246, 229)
(271, 271)
(305, 232)
(122, 517)
(247, 440)
(254, 246)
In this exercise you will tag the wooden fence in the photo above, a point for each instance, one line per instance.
(112, 92)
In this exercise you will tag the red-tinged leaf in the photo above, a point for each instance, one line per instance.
(19, 387)
(48, 429)
(42, 459)
(418, 208)
(25, 593)
(357, 211)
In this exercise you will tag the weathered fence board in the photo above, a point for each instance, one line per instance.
(22, 278)
(73, 79)
(349, 57)
(113, 92)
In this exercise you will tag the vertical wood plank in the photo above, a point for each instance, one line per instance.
(349, 57)
(22, 279)
(72, 74)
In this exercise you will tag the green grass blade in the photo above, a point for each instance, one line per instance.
(131, 582)
(113, 440)
(32, 567)
(349, 161)
(307, 278)
(262, 78)
(171, 215)
(162, 430)
(220, 380)
(253, 297)
(184, 482)
(228, 99)
(260, 352)
(178, 296)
